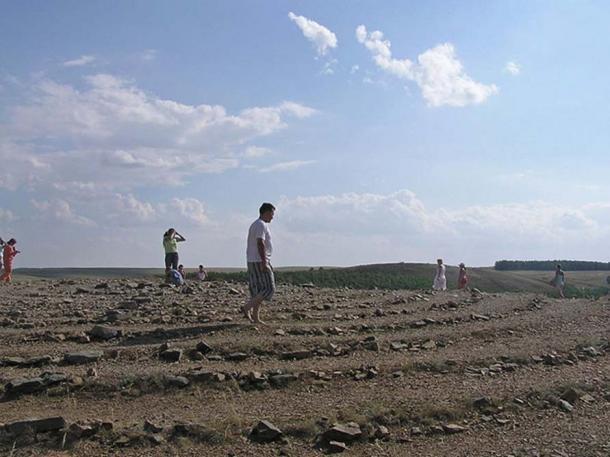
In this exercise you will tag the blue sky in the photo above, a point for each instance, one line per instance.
(383, 131)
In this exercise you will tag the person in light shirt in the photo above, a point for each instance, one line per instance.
(261, 279)
(201, 273)
(440, 280)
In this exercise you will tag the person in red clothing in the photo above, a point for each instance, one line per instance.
(9, 254)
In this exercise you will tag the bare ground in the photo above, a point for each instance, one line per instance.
(451, 373)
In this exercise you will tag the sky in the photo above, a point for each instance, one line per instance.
(394, 131)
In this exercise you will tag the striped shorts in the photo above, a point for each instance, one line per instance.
(262, 282)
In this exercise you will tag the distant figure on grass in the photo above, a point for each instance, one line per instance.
(440, 281)
(171, 238)
(201, 273)
(462, 277)
(182, 272)
(559, 281)
(260, 271)
(9, 252)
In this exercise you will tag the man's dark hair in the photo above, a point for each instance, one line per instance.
(266, 207)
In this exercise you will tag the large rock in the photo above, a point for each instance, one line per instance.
(265, 432)
(36, 425)
(77, 358)
(24, 386)
(203, 347)
(344, 433)
(171, 355)
(281, 380)
(102, 332)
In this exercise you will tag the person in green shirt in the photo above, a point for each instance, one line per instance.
(171, 238)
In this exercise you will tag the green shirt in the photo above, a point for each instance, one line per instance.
(170, 245)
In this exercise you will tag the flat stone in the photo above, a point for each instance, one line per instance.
(206, 376)
(203, 347)
(296, 355)
(176, 381)
(345, 433)
(237, 356)
(453, 428)
(281, 380)
(77, 358)
(171, 355)
(102, 332)
(36, 425)
(265, 432)
(335, 447)
(24, 386)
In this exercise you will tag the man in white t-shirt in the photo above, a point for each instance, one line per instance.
(260, 272)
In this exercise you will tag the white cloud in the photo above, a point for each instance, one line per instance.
(60, 211)
(254, 152)
(329, 67)
(438, 72)
(354, 69)
(513, 68)
(80, 62)
(190, 209)
(365, 227)
(321, 37)
(149, 55)
(63, 134)
(286, 166)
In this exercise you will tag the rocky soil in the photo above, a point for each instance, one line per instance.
(136, 368)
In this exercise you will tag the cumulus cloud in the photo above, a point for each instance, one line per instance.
(80, 62)
(513, 68)
(191, 209)
(321, 37)
(286, 166)
(61, 133)
(59, 210)
(367, 227)
(438, 72)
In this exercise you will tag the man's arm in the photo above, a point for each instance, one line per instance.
(179, 237)
(260, 244)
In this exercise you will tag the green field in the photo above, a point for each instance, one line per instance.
(383, 276)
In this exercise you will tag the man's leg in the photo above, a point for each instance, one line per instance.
(250, 305)
(268, 289)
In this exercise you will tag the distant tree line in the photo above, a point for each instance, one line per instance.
(546, 265)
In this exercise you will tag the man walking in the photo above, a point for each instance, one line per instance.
(260, 271)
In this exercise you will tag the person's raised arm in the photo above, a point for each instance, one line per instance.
(179, 237)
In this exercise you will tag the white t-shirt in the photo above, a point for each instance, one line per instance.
(258, 230)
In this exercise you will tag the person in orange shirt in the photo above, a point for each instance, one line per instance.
(9, 254)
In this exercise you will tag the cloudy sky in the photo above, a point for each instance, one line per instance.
(383, 131)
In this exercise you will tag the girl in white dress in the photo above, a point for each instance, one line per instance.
(440, 281)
